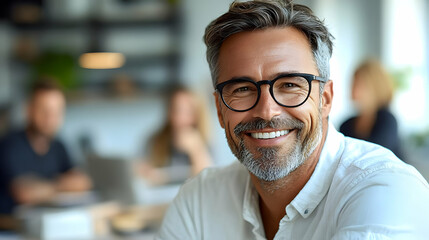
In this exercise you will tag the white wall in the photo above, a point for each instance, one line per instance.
(405, 47)
(115, 127)
(197, 15)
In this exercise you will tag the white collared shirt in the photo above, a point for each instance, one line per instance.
(358, 190)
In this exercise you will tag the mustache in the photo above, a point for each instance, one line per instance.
(276, 122)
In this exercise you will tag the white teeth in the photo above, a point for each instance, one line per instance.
(269, 135)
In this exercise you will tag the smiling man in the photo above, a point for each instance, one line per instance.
(297, 177)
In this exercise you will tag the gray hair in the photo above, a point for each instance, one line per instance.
(258, 14)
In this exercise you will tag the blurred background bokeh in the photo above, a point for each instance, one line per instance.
(117, 101)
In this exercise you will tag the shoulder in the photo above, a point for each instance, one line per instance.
(13, 142)
(349, 121)
(216, 179)
(205, 202)
(58, 147)
(364, 166)
(57, 142)
(228, 172)
(373, 188)
(220, 187)
(347, 126)
(361, 159)
(13, 136)
(385, 116)
(14, 152)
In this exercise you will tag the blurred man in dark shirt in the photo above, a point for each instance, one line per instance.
(34, 165)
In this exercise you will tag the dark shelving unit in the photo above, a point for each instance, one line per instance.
(97, 29)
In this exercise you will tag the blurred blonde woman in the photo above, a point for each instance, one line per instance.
(180, 148)
(372, 92)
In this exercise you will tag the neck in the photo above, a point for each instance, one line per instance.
(39, 142)
(275, 196)
(365, 123)
(369, 113)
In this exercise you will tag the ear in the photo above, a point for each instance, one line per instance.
(327, 97)
(219, 109)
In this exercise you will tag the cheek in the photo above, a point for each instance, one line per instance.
(58, 119)
(354, 94)
(309, 115)
(360, 92)
(181, 119)
(230, 120)
(358, 95)
(38, 117)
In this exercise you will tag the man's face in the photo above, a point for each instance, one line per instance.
(263, 55)
(45, 112)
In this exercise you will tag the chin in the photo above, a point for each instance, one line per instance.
(49, 134)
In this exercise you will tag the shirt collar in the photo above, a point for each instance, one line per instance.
(318, 185)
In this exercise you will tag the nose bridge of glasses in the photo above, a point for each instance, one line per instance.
(265, 93)
(262, 82)
(268, 88)
(266, 106)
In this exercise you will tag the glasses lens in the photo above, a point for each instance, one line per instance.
(291, 91)
(240, 95)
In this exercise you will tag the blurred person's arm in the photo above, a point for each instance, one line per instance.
(190, 141)
(155, 176)
(164, 175)
(30, 190)
(73, 181)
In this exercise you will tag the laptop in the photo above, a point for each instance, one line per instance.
(113, 178)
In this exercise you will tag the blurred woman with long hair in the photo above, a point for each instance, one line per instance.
(372, 92)
(180, 148)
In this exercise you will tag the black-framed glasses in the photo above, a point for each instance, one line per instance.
(288, 90)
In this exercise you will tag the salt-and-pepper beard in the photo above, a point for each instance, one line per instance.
(269, 165)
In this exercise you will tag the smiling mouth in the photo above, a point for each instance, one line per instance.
(268, 135)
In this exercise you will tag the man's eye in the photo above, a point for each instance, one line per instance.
(289, 85)
(241, 89)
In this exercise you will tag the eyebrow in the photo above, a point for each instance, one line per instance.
(271, 77)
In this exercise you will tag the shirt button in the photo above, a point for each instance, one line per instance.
(306, 211)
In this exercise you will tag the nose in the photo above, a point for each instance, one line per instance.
(266, 108)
